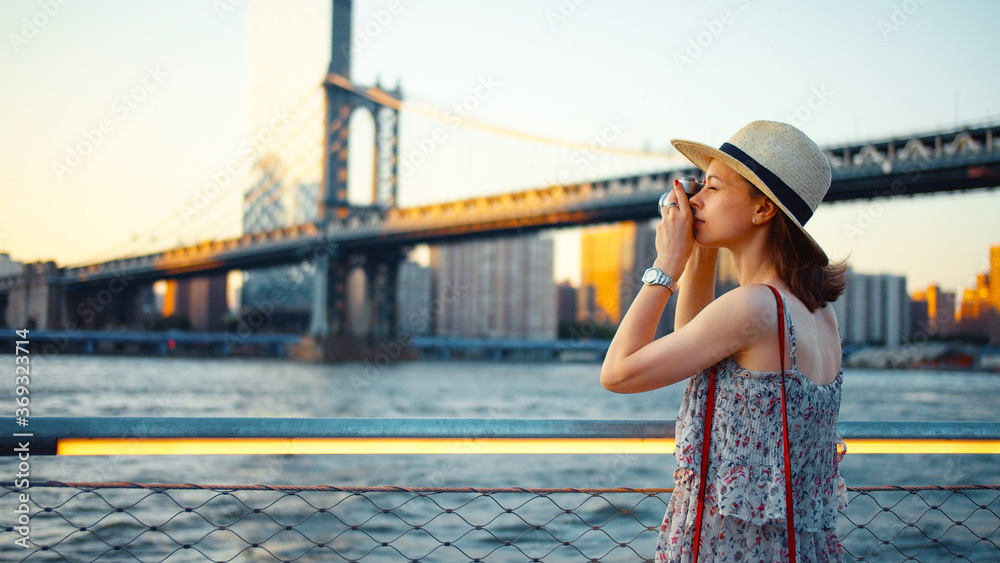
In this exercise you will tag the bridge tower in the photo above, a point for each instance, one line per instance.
(330, 322)
(35, 297)
(341, 102)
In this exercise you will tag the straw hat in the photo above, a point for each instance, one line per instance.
(779, 159)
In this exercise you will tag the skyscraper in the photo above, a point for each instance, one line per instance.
(415, 309)
(263, 205)
(897, 310)
(994, 298)
(994, 277)
(940, 311)
(568, 304)
(975, 311)
(282, 153)
(289, 53)
(613, 259)
(874, 310)
(495, 288)
(9, 267)
(610, 261)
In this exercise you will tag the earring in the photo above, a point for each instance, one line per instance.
(754, 221)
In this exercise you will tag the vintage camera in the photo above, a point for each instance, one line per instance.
(691, 186)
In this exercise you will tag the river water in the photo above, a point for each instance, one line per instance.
(238, 387)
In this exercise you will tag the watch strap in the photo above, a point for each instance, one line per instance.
(662, 279)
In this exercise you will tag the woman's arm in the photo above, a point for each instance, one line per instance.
(731, 323)
(674, 242)
(628, 353)
(637, 329)
(698, 282)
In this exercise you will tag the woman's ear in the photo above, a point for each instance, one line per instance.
(765, 211)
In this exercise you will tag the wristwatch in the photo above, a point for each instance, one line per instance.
(655, 276)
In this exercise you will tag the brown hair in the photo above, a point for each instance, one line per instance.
(803, 266)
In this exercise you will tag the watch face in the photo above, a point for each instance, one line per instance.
(649, 276)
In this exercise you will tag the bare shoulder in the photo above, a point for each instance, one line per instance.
(750, 295)
(753, 300)
(747, 310)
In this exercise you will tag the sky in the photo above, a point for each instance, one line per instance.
(158, 95)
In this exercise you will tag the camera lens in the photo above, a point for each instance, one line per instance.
(691, 185)
(663, 201)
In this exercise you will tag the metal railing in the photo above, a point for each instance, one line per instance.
(225, 435)
(194, 522)
(183, 522)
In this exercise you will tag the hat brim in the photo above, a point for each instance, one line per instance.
(702, 155)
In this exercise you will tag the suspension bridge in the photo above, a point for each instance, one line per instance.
(448, 179)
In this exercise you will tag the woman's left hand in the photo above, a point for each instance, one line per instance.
(674, 233)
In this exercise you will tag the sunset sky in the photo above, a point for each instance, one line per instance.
(160, 90)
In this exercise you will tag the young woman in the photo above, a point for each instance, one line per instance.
(751, 376)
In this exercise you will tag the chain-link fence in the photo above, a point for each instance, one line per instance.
(180, 523)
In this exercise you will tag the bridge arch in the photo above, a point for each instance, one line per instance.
(362, 153)
(344, 142)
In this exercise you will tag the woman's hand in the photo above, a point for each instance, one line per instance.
(674, 233)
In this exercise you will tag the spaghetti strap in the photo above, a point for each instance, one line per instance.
(791, 331)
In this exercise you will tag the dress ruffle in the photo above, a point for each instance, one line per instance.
(757, 496)
(730, 539)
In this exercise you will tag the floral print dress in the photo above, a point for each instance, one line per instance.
(744, 514)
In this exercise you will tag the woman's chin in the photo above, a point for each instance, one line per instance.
(703, 239)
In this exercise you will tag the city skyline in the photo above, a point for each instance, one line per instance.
(970, 279)
(507, 291)
(172, 83)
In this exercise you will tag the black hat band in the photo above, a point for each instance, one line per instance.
(786, 195)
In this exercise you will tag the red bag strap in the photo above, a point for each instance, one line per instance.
(789, 509)
(710, 407)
